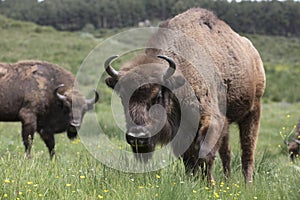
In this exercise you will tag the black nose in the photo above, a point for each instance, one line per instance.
(137, 136)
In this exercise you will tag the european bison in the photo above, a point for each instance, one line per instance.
(41, 96)
(293, 146)
(239, 68)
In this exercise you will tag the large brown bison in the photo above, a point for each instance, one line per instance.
(293, 146)
(206, 55)
(41, 96)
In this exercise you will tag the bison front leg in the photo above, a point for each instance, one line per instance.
(49, 140)
(192, 164)
(249, 128)
(210, 137)
(28, 128)
(197, 166)
(224, 151)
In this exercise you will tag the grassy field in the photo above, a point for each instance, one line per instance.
(76, 174)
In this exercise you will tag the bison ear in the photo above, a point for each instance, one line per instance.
(175, 82)
(111, 82)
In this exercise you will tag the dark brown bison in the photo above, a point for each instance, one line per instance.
(161, 78)
(41, 96)
(293, 146)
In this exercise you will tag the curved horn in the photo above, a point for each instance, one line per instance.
(92, 101)
(61, 97)
(287, 137)
(172, 66)
(286, 142)
(110, 70)
(297, 141)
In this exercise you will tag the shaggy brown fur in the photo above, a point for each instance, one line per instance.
(27, 94)
(205, 50)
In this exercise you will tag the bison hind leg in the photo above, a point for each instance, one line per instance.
(28, 128)
(249, 128)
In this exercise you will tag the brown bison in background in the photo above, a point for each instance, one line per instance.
(41, 96)
(170, 74)
(293, 146)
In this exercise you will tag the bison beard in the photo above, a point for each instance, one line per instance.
(238, 68)
(72, 133)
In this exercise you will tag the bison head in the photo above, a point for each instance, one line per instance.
(151, 109)
(75, 106)
(293, 148)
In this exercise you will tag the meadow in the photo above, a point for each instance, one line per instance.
(76, 174)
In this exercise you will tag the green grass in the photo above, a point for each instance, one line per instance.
(76, 174)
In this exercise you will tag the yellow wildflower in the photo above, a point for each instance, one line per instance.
(82, 177)
(213, 182)
(100, 196)
(5, 195)
(68, 184)
(76, 141)
(6, 181)
(157, 176)
(105, 190)
(29, 183)
(217, 195)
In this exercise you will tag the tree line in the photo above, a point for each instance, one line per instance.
(270, 17)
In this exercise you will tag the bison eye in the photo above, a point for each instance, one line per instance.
(157, 99)
(66, 109)
(159, 96)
